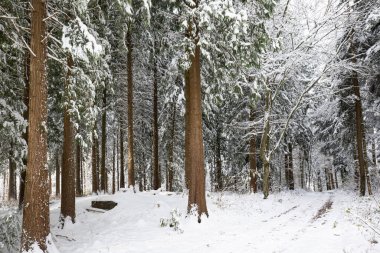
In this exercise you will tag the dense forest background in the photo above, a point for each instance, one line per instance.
(289, 96)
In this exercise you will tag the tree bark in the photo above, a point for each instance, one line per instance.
(291, 172)
(12, 192)
(68, 157)
(57, 175)
(219, 178)
(194, 154)
(122, 176)
(114, 168)
(264, 145)
(131, 161)
(26, 118)
(171, 150)
(78, 170)
(35, 224)
(95, 182)
(156, 176)
(359, 134)
(103, 172)
(252, 158)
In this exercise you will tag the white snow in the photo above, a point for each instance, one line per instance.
(238, 223)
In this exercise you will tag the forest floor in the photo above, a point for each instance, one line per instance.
(299, 221)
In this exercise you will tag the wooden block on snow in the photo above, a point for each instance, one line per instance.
(105, 205)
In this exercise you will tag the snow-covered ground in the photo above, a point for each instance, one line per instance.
(286, 222)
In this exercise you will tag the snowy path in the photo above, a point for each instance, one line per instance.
(238, 223)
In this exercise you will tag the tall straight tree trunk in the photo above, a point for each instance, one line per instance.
(35, 225)
(264, 145)
(131, 161)
(194, 154)
(156, 176)
(57, 174)
(359, 134)
(103, 172)
(122, 176)
(291, 171)
(78, 170)
(114, 168)
(368, 176)
(287, 169)
(68, 157)
(302, 160)
(252, 157)
(171, 150)
(95, 183)
(219, 179)
(12, 192)
(187, 136)
(374, 159)
(25, 115)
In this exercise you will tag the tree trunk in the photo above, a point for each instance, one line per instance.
(302, 160)
(291, 172)
(57, 175)
(219, 176)
(25, 116)
(368, 176)
(264, 145)
(252, 158)
(78, 171)
(156, 176)
(95, 182)
(131, 161)
(12, 192)
(194, 156)
(103, 172)
(171, 150)
(68, 157)
(122, 176)
(35, 224)
(114, 168)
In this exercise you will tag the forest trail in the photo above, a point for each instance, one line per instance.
(286, 222)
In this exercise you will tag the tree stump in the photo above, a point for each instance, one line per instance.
(105, 205)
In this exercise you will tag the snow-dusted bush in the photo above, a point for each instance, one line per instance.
(10, 231)
(173, 221)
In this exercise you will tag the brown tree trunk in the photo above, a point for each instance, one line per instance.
(12, 192)
(368, 176)
(122, 176)
(252, 158)
(187, 136)
(95, 182)
(219, 178)
(103, 172)
(25, 116)
(287, 181)
(156, 176)
(131, 161)
(68, 158)
(291, 171)
(57, 175)
(302, 160)
(78, 171)
(171, 150)
(35, 224)
(194, 156)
